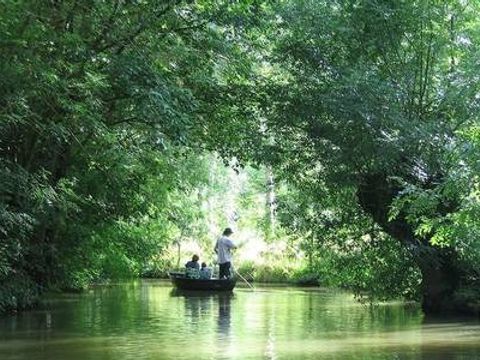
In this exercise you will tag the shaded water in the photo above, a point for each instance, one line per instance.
(148, 320)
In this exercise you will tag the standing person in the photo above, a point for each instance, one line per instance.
(222, 248)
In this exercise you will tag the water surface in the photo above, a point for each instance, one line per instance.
(149, 320)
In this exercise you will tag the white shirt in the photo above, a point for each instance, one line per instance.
(223, 247)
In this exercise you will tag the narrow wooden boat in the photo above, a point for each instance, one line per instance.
(182, 282)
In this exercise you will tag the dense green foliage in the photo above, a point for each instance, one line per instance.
(379, 97)
(100, 102)
(360, 117)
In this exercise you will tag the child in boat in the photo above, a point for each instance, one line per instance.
(205, 272)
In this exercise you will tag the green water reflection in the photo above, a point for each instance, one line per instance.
(149, 320)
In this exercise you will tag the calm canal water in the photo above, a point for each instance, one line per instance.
(148, 320)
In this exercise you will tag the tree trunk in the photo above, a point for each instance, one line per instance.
(271, 202)
(440, 275)
(440, 279)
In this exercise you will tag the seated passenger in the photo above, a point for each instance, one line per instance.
(193, 264)
(205, 272)
(192, 268)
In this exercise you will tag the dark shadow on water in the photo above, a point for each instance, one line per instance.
(449, 318)
(464, 347)
(199, 293)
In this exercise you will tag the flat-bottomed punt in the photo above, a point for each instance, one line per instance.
(182, 282)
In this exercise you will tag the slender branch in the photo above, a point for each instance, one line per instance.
(128, 120)
(426, 73)
(452, 42)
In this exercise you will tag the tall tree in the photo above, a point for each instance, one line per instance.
(373, 96)
(93, 95)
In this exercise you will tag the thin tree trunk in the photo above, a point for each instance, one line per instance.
(271, 201)
(178, 253)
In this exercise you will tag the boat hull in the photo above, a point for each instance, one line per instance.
(181, 282)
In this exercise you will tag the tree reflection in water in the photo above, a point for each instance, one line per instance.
(147, 320)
